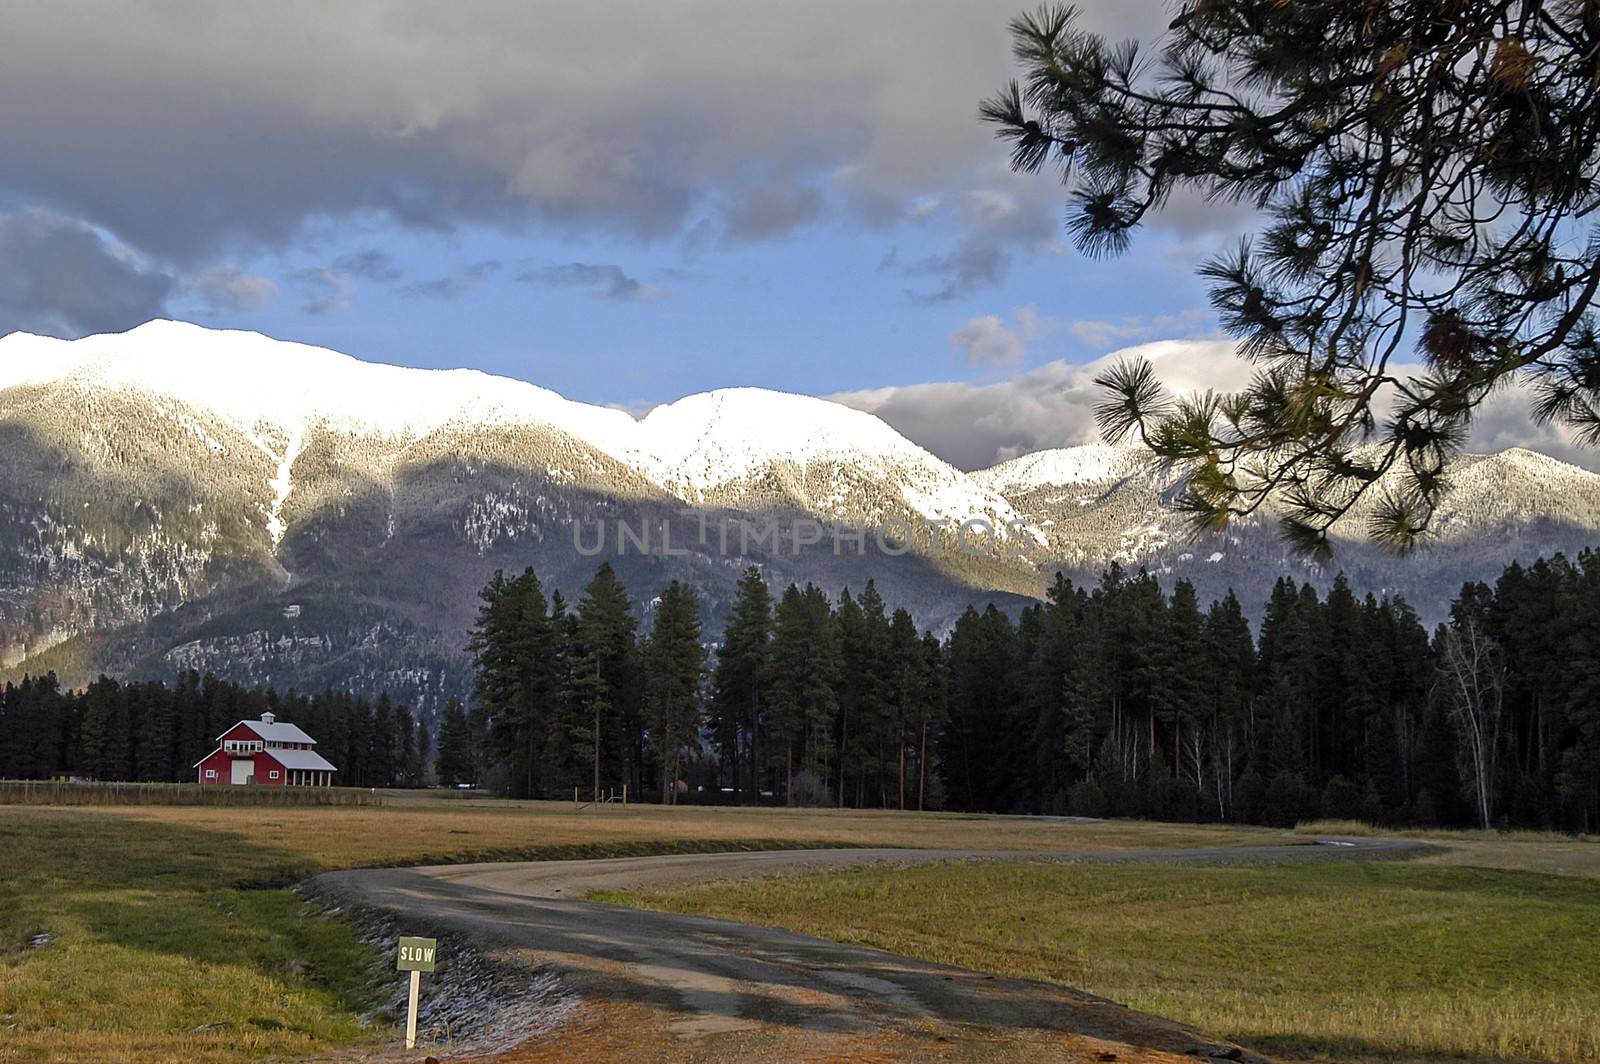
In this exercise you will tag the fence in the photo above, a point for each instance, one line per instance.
(610, 797)
(90, 792)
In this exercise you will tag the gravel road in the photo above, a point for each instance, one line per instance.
(657, 986)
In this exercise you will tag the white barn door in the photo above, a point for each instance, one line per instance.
(243, 770)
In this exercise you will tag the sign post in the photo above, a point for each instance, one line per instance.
(416, 957)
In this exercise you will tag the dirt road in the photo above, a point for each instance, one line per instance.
(654, 986)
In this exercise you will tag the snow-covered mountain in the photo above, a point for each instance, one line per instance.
(730, 447)
(1097, 504)
(278, 512)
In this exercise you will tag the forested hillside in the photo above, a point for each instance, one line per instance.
(1117, 699)
(1113, 700)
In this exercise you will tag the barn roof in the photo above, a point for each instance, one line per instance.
(301, 760)
(273, 732)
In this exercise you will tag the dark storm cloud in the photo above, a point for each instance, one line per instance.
(189, 128)
(62, 278)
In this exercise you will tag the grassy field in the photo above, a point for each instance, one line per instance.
(1462, 956)
(168, 932)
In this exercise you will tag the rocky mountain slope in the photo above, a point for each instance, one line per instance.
(1097, 504)
(179, 497)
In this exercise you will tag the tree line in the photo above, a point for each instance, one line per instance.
(1118, 699)
(150, 731)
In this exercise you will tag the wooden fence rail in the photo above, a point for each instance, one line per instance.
(86, 792)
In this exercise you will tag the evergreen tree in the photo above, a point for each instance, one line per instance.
(383, 755)
(107, 736)
(455, 763)
(608, 681)
(803, 705)
(982, 671)
(1354, 128)
(1182, 684)
(744, 663)
(424, 754)
(1229, 697)
(909, 694)
(513, 646)
(155, 734)
(674, 674)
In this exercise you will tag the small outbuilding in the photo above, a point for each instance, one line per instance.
(267, 752)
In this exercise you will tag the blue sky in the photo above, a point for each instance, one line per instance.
(627, 202)
(824, 310)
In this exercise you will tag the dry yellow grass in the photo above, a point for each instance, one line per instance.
(170, 936)
(421, 829)
(165, 946)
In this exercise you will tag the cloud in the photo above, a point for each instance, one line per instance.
(1105, 334)
(455, 285)
(995, 223)
(604, 281)
(371, 264)
(988, 341)
(201, 128)
(973, 426)
(227, 288)
(975, 263)
(326, 290)
(764, 213)
(1505, 420)
(61, 277)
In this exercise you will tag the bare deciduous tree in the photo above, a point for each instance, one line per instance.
(1471, 686)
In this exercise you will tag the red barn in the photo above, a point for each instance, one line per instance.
(266, 752)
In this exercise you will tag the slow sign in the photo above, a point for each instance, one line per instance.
(416, 956)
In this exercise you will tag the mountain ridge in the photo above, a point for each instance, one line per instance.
(171, 492)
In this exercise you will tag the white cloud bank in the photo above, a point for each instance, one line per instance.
(976, 425)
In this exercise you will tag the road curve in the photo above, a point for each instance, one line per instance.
(658, 986)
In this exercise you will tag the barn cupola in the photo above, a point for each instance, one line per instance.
(268, 717)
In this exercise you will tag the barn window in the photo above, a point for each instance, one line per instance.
(272, 775)
(211, 773)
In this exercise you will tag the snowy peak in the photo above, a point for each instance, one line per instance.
(707, 441)
(254, 381)
(275, 391)
(1091, 463)
(745, 447)
(1517, 487)
(718, 436)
